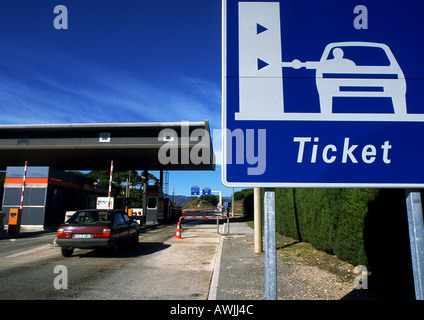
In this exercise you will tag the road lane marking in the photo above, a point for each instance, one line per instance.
(34, 250)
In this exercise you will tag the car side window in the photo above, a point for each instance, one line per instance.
(126, 218)
(119, 219)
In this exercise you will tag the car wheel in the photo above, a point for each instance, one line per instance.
(135, 241)
(67, 252)
(114, 250)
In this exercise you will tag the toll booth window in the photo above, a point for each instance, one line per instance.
(151, 203)
(56, 196)
(12, 196)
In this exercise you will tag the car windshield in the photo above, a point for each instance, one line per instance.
(91, 218)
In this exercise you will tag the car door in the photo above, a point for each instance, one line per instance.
(122, 226)
(132, 227)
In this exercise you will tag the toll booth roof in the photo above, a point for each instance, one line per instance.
(92, 146)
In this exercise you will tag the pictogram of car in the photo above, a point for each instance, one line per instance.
(339, 76)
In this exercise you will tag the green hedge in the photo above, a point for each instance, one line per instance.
(360, 226)
(337, 220)
(248, 204)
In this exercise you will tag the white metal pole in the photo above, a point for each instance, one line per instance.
(110, 184)
(23, 185)
(270, 246)
(416, 239)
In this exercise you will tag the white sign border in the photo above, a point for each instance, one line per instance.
(275, 184)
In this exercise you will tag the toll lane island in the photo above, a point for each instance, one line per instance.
(330, 152)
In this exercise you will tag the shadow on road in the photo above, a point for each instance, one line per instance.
(26, 234)
(125, 251)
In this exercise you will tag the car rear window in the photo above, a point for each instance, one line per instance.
(91, 218)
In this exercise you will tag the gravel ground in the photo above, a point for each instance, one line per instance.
(241, 274)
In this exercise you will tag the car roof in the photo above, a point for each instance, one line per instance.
(357, 44)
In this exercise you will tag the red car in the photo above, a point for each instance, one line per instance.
(96, 228)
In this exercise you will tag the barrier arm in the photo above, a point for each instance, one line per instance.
(297, 64)
(217, 217)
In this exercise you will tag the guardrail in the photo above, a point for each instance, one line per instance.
(204, 217)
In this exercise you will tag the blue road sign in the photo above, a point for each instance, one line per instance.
(206, 191)
(195, 191)
(323, 94)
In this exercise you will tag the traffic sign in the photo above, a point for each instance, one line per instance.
(195, 190)
(206, 191)
(330, 96)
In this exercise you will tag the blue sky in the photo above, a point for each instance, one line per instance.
(118, 61)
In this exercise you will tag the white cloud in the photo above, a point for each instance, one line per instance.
(71, 90)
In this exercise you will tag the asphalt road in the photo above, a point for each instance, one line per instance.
(161, 267)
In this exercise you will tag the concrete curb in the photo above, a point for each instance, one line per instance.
(213, 289)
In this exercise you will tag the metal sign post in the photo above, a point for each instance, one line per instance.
(416, 238)
(270, 247)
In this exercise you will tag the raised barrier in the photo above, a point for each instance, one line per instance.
(217, 217)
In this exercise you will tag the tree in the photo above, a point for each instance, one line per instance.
(210, 198)
(240, 195)
(119, 179)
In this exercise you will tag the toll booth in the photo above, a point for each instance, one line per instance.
(49, 193)
(155, 205)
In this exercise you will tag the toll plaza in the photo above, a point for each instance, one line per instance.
(51, 149)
